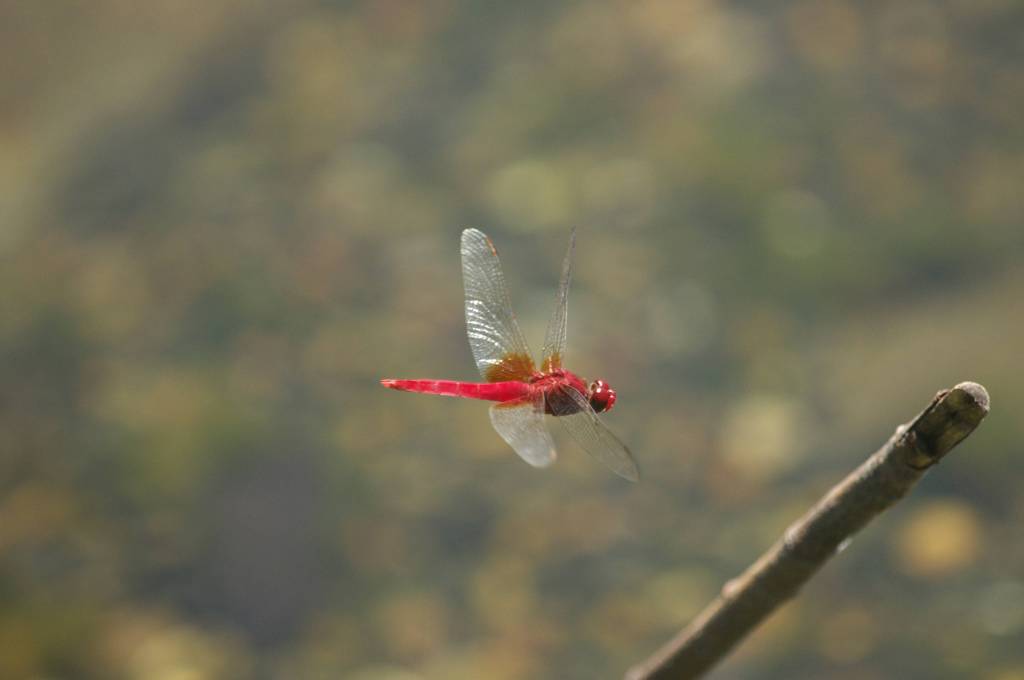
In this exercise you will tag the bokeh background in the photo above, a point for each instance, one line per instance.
(222, 222)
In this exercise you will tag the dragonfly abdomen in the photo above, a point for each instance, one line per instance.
(497, 391)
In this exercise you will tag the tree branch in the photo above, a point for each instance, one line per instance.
(878, 483)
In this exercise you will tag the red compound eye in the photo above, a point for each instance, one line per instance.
(602, 397)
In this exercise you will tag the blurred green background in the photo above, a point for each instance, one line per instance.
(222, 222)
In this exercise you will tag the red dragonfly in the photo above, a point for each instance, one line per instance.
(523, 393)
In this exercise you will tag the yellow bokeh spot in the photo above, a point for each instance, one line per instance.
(759, 437)
(531, 194)
(940, 538)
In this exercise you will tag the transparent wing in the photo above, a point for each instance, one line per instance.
(521, 424)
(498, 345)
(554, 341)
(582, 423)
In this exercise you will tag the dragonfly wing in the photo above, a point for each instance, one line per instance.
(554, 341)
(582, 423)
(521, 424)
(498, 345)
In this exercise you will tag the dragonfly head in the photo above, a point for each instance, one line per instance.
(602, 396)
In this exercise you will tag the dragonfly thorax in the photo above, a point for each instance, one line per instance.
(600, 394)
(558, 377)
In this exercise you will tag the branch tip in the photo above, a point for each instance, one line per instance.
(975, 393)
(951, 416)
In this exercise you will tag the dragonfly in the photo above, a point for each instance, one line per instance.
(524, 394)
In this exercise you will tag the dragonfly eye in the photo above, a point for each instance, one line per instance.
(602, 397)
